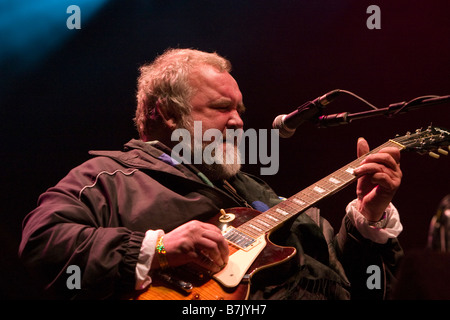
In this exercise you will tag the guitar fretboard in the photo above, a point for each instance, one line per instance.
(278, 214)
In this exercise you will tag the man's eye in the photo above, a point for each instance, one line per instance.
(222, 108)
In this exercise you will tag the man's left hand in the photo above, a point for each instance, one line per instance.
(379, 177)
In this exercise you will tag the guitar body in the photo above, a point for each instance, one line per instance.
(260, 258)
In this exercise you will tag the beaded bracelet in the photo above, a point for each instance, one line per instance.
(161, 253)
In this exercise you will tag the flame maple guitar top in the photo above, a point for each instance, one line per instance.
(205, 286)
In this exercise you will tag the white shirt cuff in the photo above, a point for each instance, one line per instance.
(145, 258)
(379, 235)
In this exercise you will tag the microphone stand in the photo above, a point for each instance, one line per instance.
(393, 109)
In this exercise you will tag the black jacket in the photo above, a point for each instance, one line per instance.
(96, 217)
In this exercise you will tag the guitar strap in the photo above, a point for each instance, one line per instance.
(232, 191)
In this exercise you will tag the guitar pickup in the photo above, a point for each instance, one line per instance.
(239, 239)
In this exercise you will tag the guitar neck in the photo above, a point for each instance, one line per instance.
(278, 214)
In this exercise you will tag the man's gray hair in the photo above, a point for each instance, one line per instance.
(164, 84)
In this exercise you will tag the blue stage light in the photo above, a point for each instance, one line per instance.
(32, 29)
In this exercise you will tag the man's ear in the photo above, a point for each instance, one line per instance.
(168, 119)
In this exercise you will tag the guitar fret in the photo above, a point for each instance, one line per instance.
(345, 176)
(262, 219)
(272, 217)
(319, 189)
(327, 185)
(255, 227)
(334, 180)
(246, 228)
(260, 223)
(270, 223)
(298, 201)
(331, 183)
(350, 170)
(276, 215)
(293, 207)
(313, 196)
(308, 196)
(288, 208)
(281, 211)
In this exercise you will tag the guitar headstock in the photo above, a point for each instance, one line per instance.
(432, 141)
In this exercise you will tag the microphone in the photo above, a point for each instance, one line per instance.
(287, 124)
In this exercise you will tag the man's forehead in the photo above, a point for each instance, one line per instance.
(209, 75)
(209, 78)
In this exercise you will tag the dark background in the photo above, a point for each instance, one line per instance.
(80, 96)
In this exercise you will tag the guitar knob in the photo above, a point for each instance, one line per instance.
(225, 216)
(442, 151)
(433, 155)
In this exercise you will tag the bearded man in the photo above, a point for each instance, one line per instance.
(123, 216)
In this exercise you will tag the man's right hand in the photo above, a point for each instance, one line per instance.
(198, 242)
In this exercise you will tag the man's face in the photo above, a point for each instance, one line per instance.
(217, 100)
(217, 103)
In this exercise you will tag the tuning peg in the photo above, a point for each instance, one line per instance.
(442, 151)
(433, 155)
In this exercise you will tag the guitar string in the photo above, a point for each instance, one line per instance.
(293, 208)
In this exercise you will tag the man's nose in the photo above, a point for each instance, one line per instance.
(235, 121)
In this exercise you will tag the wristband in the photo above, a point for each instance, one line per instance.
(380, 224)
(161, 253)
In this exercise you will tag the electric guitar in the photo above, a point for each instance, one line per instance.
(247, 232)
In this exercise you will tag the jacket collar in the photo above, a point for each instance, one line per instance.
(155, 156)
(150, 156)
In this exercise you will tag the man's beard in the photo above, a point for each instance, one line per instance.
(224, 164)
